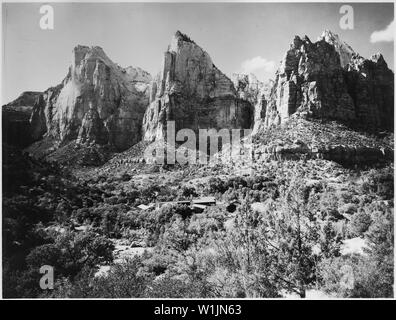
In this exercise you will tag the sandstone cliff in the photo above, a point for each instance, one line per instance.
(193, 92)
(97, 102)
(370, 83)
(328, 80)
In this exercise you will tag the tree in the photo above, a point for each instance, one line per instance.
(359, 224)
(83, 250)
(369, 275)
(380, 240)
(122, 281)
(244, 257)
(47, 254)
(293, 226)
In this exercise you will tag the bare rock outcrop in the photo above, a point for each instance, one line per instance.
(328, 80)
(343, 49)
(98, 101)
(300, 138)
(251, 89)
(371, 85)
(248, 87)
(193, 92)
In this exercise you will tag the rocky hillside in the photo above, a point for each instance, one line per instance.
(193, 92)
(97, 102)
(299, 138)
(328, 80)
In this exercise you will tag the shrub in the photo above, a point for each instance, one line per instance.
(359, 224)
(354, 276)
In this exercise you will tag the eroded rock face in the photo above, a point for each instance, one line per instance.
(248, 87)
(327, 80)
(193, 92)
(371, 85)
(310, 81)
(343, 49)
(98, 101)
(343, 154)
(300, 138)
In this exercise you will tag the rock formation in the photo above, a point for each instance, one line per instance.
(26, 99)
(248, 87)
(300, 138)
(343, 49)
(15, 119)
(98, 102)
(327, 80)
(193, 92)
(370, 83)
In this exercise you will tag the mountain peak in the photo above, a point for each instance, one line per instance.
(97, 101)
(183, 37)
(189, 74)
(378, 58)
(86, 49)
(344, 50)
(327, 90)
(81, 52)
(329, 33)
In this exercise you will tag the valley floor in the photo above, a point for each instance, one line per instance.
(277, 228)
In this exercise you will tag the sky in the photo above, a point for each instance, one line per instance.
(239, 37)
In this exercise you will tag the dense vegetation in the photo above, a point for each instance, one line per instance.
(277, 231)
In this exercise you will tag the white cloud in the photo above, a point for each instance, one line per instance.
(259, 66)
(384, 35)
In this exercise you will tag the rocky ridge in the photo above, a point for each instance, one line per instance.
(102, 104)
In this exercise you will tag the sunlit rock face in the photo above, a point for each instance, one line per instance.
(97, 102)
(193, 92)
(328, 80)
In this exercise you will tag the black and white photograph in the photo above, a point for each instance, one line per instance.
(185, 150)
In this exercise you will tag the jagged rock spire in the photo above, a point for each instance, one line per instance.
(328, 80)
(191, 90)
